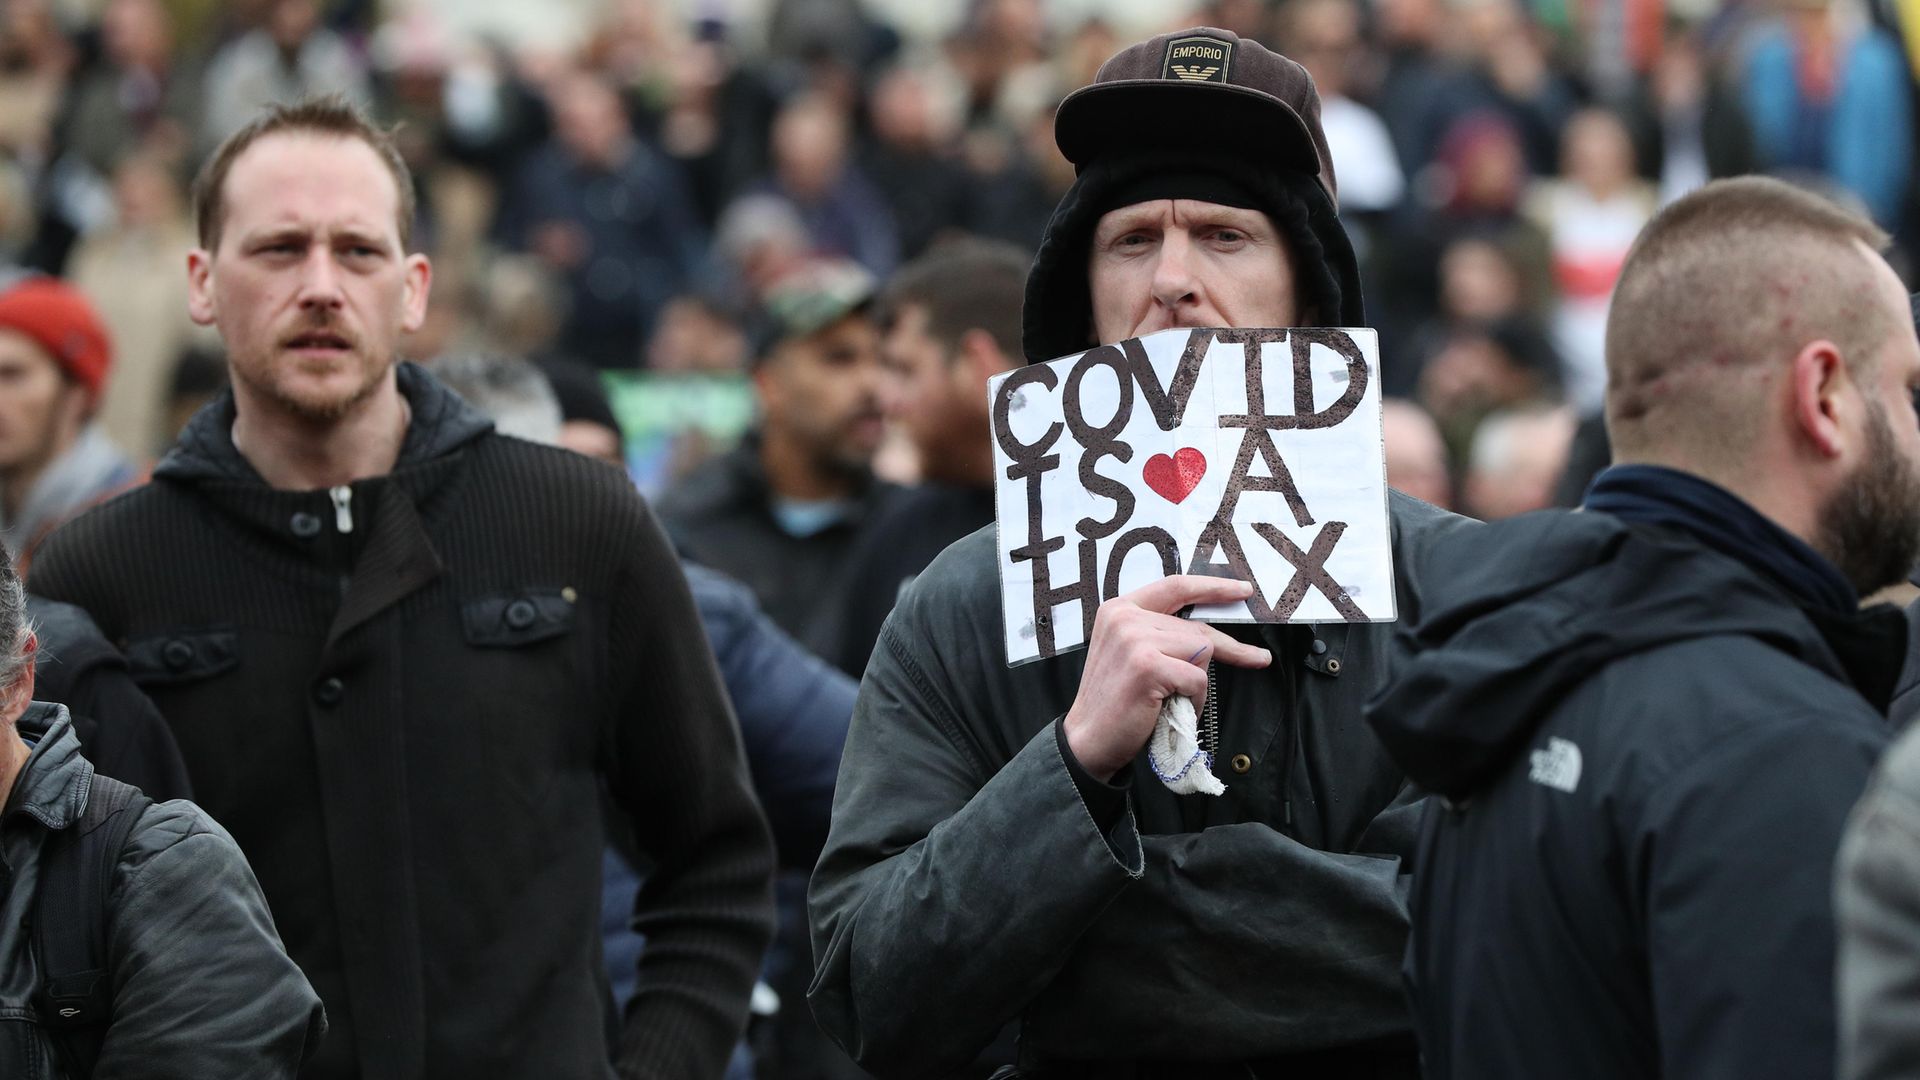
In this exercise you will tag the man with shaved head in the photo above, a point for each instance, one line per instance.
(1646, 723)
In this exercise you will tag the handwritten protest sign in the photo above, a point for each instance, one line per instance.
(1254, 454)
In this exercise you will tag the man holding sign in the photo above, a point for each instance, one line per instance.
(1001, 848)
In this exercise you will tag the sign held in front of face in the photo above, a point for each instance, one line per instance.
(1253, 454)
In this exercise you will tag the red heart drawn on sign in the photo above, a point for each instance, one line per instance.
(1174, 478)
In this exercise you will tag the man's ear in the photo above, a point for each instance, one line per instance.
(200, 306)
(981, 356)
(419, 282)
(767, 384)
(1821, 393)
(15, 696)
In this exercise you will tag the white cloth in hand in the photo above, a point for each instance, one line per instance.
(1175, 754)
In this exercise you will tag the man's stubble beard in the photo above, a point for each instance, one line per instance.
(1870, 528)
(305, 409)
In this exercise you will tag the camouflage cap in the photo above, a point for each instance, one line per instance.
(810, 299)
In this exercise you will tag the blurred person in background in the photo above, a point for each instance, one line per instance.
(1689, 125)
(710, 113)
(1324, 35)
(1014, 180)
(1483, 279)
(694, 335)
(1473, 189)
(845, 215)
(1829, 93)
(130, 270)
(55, 461)
(1590, 215)
(910, 156)
(1513, 74)
(36, 58)
(1516, 457)
(950, 320)
(1485, 367)
(760, 241)
(587, 423)
(783, 511)
(142, 94)
(288, 57)
(1421, 90)
(1003, 53)
(610, 216)
(1416, 455)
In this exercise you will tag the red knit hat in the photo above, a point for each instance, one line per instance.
(61, 321)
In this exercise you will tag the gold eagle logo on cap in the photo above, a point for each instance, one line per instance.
(1197, 59)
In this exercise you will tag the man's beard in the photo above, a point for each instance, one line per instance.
(318, 410)
(1871, 527)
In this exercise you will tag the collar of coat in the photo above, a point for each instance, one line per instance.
(442, 423)
(52, 786)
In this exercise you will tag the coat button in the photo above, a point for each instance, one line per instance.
(1319, 646)
(521, 614)
(304, 525)
(329, 691)
(1333, 667)
(1241, 763)
(177, 654)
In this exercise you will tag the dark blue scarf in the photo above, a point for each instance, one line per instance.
(1653, 495)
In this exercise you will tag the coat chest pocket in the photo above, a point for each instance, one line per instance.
(182, 656)
(525, 692)
(511, 620)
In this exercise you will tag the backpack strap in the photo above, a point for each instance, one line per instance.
(71, 917)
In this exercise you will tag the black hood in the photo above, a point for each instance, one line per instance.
(441, 423)
(1057, 317)
(1515, 614)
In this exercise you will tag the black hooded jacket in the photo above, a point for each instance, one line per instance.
(405, 698)
(973, 877)
(1646, 753)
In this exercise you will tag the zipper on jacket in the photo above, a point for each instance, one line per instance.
(1210, 719)
(342, 508)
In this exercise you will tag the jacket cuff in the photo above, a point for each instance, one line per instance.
(1106, 803)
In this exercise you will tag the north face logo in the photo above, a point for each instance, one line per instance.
(1197, 59)
(1558, 766)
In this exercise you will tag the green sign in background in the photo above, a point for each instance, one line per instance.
(670, 422)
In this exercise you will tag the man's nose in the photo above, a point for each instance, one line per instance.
(320, 279)
(1173, 283)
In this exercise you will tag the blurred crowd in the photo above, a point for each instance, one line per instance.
(622, 190)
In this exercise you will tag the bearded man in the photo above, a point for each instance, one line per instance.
(1646, 723)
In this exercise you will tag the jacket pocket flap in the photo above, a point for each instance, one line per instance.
(511, 619)
(182, 656)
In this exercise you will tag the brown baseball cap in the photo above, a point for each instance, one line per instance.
(1202, 87)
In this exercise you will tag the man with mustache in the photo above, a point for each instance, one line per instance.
(1001, 850)
(1646, 723)
(405, 656)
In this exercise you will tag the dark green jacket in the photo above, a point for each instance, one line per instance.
(965, 884)
(201, 984)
